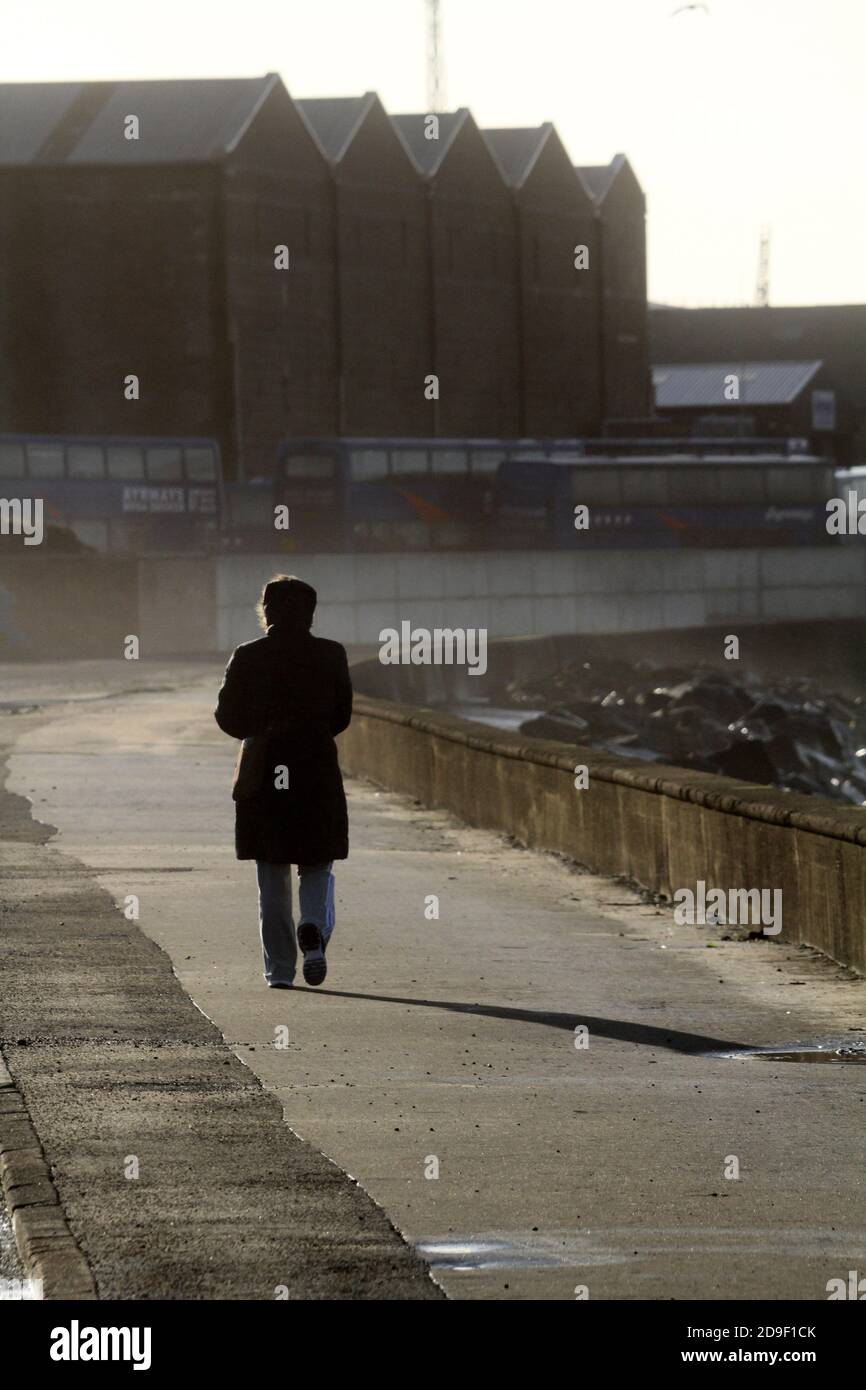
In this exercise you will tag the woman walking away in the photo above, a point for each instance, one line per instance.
(287, 695)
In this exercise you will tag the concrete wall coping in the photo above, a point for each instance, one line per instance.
(754, 802)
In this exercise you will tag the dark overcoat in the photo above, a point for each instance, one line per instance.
(296, 689)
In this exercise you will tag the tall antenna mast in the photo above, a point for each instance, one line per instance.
(435, 75)
(762, 284)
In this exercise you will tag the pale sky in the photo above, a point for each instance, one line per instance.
(755, 114)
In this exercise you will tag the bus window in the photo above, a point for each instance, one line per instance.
(45, 460)
(644, 487)
(200, 465)
(595, 485)
(486, 460)
(408, 461)
(693, 487)
(368, 465)
(309, 466)
(125, 462)
(11, 461)
(85, 461)
(738, 485)
(163, 466)
(449, 461)
(789, 484)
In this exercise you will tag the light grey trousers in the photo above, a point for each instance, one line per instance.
(315, 904)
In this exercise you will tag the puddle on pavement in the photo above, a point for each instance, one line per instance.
(834, 1051)
(585, 1249)
(532, 1251)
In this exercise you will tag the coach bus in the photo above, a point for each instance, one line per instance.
(634, 499)
(119, 493)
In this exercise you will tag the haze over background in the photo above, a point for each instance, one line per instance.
(754, 114)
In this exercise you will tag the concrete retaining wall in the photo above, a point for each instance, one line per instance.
(197, 604)
(663, 827)
(57, 606)
(177, 606)
(514, 593)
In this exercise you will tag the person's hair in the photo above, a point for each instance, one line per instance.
(287, 599)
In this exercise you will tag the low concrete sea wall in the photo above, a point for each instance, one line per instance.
(665, 828)
(538, 593)
(56, 604)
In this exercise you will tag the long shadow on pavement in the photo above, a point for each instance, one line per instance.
(641, 1033)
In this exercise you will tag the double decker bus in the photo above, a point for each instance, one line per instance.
(390, 494)
(118, 493)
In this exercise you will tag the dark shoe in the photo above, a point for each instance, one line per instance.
(313, 947)
(279, 984)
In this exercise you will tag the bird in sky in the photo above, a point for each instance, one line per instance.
(681, 9)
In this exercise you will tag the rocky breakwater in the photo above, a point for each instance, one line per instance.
(788, 734)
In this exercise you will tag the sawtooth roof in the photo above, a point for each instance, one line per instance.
(428, 154)
(335, 121)
(182, 120)
(516, 149)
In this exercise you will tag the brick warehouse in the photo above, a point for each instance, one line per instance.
(383, 289)
(474, 290)
(155, 256)
(621, 219)
(559, 304)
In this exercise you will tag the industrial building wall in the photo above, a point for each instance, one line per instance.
(474, 252)
(278, 191)
(835, 334)
(627, 387)
(383, 286)
(115, 274)
(560, 303)
(167, 271)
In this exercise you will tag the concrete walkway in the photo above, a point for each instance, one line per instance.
(438, 1066)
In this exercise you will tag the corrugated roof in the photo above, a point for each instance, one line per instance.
(428, 154)
(703, 383)
(516, 149)
(334, 121)
(83, 123)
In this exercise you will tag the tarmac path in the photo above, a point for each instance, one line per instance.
(438, 1066)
